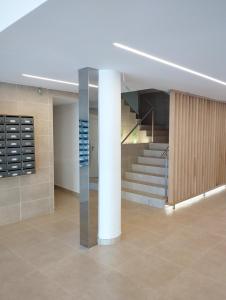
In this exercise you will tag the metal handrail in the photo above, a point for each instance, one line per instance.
(165, 156)
(138, 123)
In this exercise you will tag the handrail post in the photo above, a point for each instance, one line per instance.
(166, 179)
(165, 156)
(152, 125)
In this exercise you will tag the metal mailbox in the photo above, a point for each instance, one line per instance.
(17, 147)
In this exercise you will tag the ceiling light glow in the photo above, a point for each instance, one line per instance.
(168, 63)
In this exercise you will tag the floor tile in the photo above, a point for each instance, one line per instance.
(163, 255)
(34, 287)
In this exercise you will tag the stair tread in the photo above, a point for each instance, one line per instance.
(151, 195)
(160, 129)
(162, 151)
(154, 149)
(144, 183)
(147, 156)
(150, 165)
(159, 143)
(147, 174)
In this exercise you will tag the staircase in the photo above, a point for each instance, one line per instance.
(129, 120)
(161, 134)
(146, 183)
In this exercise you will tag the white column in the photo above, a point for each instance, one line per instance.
(109, 227)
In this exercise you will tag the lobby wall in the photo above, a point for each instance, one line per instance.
(23, 197)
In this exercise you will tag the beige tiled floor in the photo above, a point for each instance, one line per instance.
(161, 256)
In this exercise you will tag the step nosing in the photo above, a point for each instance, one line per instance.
(151, 157)
(149, 165)
(146, 174)
(159, 150)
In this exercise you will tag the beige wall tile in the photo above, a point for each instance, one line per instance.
(44, 159)
(35, 208)
(35, 192)
(9, 107)
(42, 127)
(27, 95)
(42, 143)
(23, 100)
(10, 197)
(9, 214)
(7, 183)
(39, 111)
(42, 175)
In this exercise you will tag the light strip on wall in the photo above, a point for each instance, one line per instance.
(168, 63)
(169, 209)
(214, 191)
(57, 80)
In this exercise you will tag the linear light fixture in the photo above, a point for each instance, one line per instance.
(189, 202)
(93, 86)
(56, 80)
(50, 79)
(168, 63)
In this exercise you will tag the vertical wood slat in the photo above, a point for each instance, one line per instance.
(197, 143)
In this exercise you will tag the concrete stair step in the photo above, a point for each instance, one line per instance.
(158, 146)
(161, 139)
(151, 160)
(157, 189)
(144, 198)
(153, 153)
(146, 178)
(145, 127)
(144, 168)
(161, 132)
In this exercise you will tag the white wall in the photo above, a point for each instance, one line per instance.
(66, 146)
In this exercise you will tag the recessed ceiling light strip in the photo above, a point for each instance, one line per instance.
(50, 79)
(168, 63)
(56, 80)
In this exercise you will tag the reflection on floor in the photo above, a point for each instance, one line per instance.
(179, 256)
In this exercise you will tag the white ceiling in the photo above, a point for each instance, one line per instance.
(13, 10)
(59, 37)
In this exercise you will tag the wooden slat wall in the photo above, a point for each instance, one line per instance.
(197, 141)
